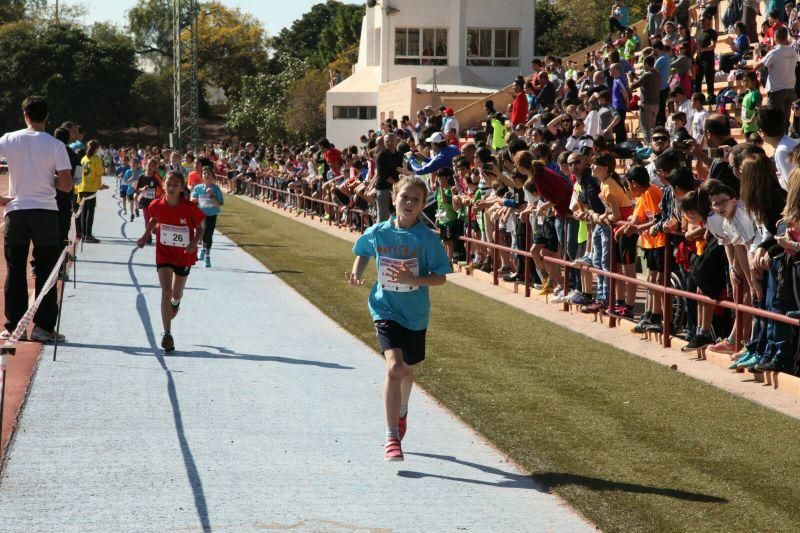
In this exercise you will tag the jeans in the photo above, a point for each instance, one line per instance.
(620, 133)
(647, 120)
(40, 227)
(64, 201)
(653, 24)
(705, 72)
(601, 257)
(782, 100)
(86, 220)
(571, 247)
(383, 200)
(770, 338)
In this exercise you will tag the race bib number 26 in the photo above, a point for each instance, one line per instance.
(177, 236)
(385, 279)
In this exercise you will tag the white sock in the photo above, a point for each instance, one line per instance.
(175, 302)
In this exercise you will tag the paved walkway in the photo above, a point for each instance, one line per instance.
(268, 416)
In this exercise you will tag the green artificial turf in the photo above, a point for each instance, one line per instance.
(632, 445)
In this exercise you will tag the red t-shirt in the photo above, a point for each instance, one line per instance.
(175, 228)
(194, 178)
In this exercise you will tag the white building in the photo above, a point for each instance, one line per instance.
(415, 53)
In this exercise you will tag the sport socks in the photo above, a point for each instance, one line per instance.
(403, 410)
(174, 302)
(392, 433)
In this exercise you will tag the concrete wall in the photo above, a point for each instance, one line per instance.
(344, 132)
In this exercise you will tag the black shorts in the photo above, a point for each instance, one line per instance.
(546, 234)
(392, 335)
(625, 249)
(179, 271)
(451, 232)
(654, 258)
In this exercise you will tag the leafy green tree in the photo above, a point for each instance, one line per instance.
(305, 112)
(82, 79)
(259, 109)
(319, 35)
(150, 25)
(151, 100)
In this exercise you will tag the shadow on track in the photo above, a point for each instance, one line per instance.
(545, 481)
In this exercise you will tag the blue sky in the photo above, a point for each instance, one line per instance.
(274, 14)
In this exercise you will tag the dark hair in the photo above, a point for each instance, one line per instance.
(712, 187)
(178, 175)
(696, 201)
(638, 174)
(770, 121)
(667, 161)
(719, 125)
(62, 134)
(35, 108)
(682, 178)
(92, 147)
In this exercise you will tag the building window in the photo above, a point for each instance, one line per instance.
(420, 46)
(355, 112)
(492, 47)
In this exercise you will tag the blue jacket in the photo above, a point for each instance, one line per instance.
(440, 160)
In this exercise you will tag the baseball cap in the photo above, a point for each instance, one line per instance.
(436, 138)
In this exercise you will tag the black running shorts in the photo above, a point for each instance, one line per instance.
(393, 336)
(179, 271)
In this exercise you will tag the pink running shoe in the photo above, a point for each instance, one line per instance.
(392, 450)
(402, 425)
(723, 346)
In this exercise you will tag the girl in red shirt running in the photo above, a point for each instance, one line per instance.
(180, 225)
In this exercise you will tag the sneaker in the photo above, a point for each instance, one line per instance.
(91, 239)
(168, 343)
(137, 213)
(621, 311)
(656, 325)
(595, 307)
(643, 324)
(504, 270)
(42, 335)
(5, 335)
(131, 217)
(723, 346)
(402, 425)
(392, 450)
(583, 261)
(735, 364)
(580, 299)
(747, 362)
(207, 261)
(487, 265)
(513, 278)
(699, 341)
(564, 297)
(202, 254)
(546, 289)
(769, 366)
(686, 334)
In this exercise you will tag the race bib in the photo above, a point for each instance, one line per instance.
(205, 202)
(385, 279)
(149, 194)
(177, 236)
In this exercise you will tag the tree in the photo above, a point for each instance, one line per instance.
(231, 44)
(260, 106)
(305, 112)
(82, 79)
(150, 24)
(151, 99)
(110, 34)
(320, 34)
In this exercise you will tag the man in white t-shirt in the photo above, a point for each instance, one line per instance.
(770, 125)
(38, 164)
(780, 63)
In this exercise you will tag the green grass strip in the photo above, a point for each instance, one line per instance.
(631, 444)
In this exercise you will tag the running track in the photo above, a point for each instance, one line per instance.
(268, 417)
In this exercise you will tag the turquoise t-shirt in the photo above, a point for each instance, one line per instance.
(421, 250)
(202, 193)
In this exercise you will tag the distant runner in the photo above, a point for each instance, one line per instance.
(180, 226)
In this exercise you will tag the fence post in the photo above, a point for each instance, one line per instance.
(527, 257)
(495, 254)
(667, 311)
(612, 283)
(468, 244)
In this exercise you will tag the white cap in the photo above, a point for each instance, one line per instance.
(436, 138)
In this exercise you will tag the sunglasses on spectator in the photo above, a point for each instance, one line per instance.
(660, 139)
